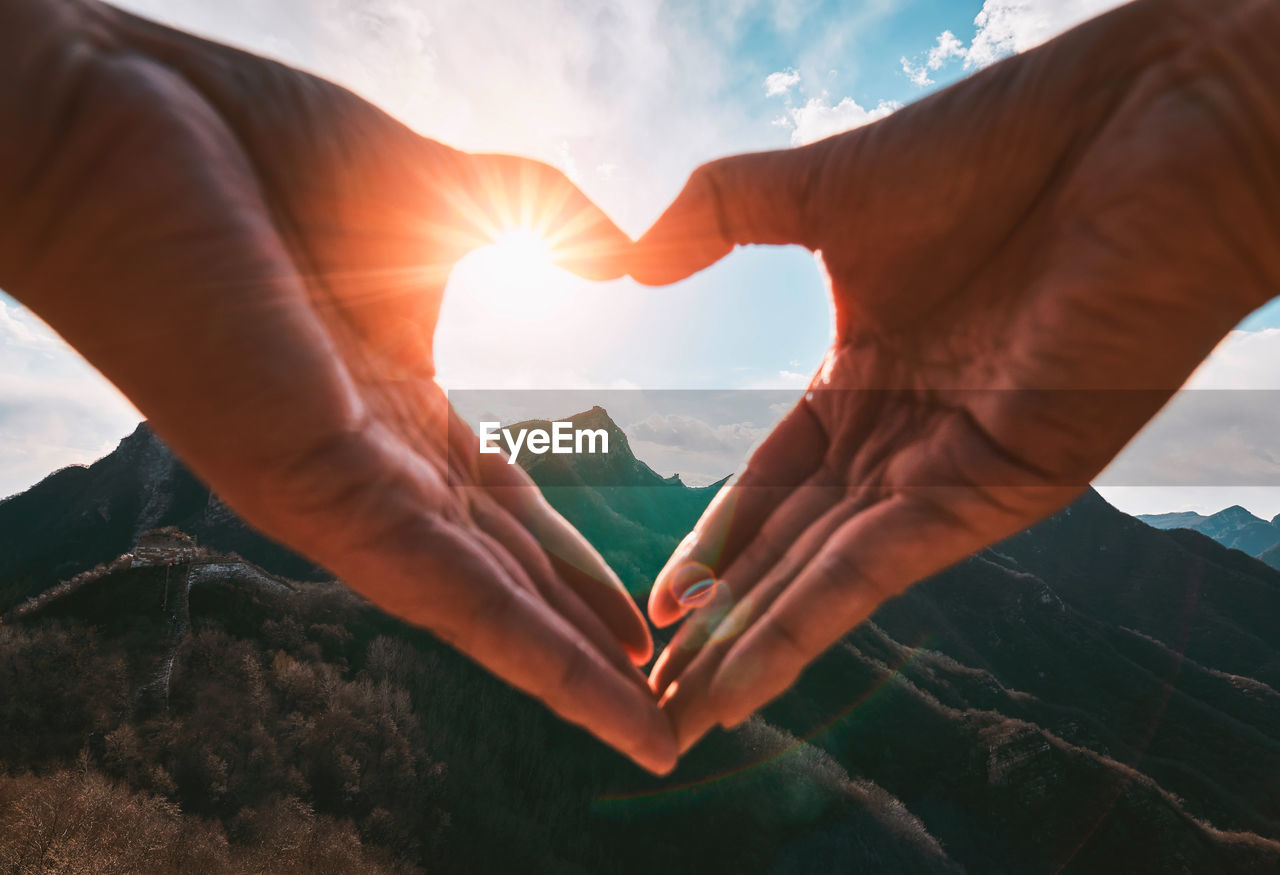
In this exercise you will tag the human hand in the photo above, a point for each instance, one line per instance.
(1024, 268)
(256, 257)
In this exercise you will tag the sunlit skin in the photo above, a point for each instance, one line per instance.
(1024, 268)
(257, 258)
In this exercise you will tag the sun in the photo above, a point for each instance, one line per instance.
(519, 260)
(521, 250)
(516, 272)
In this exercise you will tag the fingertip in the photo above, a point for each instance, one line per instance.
(662, 607)
(659, 683)
(631, 627)
(640, 651)
(516, 192)
(662, 753)
(687, 237)
(597, 269)
(664, 765)
(668, 257)
(663, 269)
(663, 610)
(592, 579)
(593, 248)
(679, 589)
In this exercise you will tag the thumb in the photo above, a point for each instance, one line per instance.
(759, 197)
(509, 193)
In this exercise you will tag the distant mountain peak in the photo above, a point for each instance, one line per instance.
(1233, 527)
(1236, 512)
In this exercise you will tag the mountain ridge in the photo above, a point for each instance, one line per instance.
(1235, 527)
(1093, 694)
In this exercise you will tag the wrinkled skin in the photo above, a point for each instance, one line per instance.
(256, 258)
(1024, 268)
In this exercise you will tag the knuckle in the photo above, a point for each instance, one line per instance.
(785, 631)
(840, 573)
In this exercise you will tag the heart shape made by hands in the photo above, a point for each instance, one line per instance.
(1024, 268)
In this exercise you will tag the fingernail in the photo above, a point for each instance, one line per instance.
(693, 584)
(697, 594)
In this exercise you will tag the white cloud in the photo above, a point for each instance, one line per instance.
(638, 84)
(1004, 27)
(948, 48)
(777, 84)
(818, 118)
(692, 433)
(699, 451)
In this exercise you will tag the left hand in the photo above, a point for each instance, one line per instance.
(256, 258)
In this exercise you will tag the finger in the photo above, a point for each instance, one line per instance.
(506, 193)
(472, 603)
(510, 541)
(763, 197)
(364, 506)
(773, 545)
(789, 456)
(870, 558)
(574, 560)
(692, 711)
(255, 398)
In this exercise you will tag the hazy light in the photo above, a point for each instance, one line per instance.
(522, 249)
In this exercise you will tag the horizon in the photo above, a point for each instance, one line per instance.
(697, 479)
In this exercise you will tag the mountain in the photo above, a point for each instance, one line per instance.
(182, 710)
(1091, 695)
(1234, 527)
(81, 516)
(634, 516)
(1086, 688)
(1271, 556)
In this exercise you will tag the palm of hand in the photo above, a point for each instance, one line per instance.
(1014, 299)
(287, 267)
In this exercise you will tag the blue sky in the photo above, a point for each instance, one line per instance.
(627, 97)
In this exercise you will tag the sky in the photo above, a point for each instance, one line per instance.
(627, 97)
